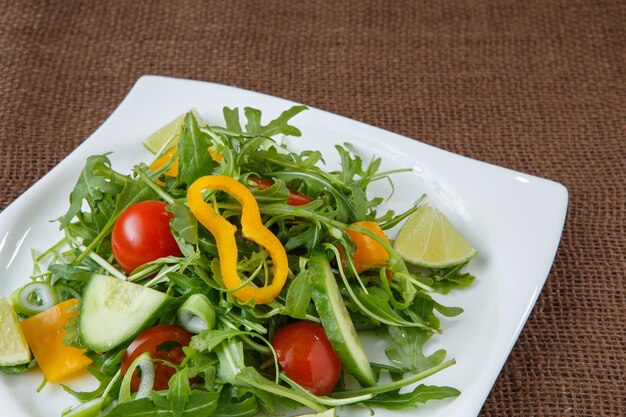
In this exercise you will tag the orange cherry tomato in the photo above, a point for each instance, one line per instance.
(368, 253)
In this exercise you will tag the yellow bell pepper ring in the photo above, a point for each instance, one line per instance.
(252, 228)
(173, 170)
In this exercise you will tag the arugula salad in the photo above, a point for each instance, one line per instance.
(230, 276)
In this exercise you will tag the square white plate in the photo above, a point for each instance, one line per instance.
(513, 219)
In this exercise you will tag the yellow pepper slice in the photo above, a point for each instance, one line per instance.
(44, 333)
(252, 228)
(173, 171)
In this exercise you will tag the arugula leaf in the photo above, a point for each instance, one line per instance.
(231, 357)
(359, 201)
(194, 159)
(184, 222)
(276, 126)
(132, 192)
(454, 279)
(72, 335)
(186, 285)
(179, 392)
(299, 295)
(448, 311)
(200, 404)
(103, 380)
(142, 407)
(423, 308)
(350, 166)
(357, 179)
(276, 193)
(346, 212)
(310, 238)
(396, 374)
(95, 181)
(231, 117)
(161, 401)
(250, 377)
(394, 400)
(209, 339)
(266, 400)
(229, 407)
(377, 301)
(407, 352)
(108, 362)
(18, 369)
(90, 408)
(202, 364)
(71, 272)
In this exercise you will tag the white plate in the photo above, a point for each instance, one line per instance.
(513, 219)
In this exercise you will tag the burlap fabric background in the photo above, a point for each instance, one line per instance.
(535, 86)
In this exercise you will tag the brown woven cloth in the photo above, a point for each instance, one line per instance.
(537, 86)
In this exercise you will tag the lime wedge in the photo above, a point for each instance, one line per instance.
(167, 136)
(13, 347)
(429, 239)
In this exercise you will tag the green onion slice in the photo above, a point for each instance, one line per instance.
(34, 298)
(146, 367)
(197, 314)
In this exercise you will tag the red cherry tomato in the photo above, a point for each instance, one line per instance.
(163, 342)
(295, 198)
(306, 355)
(142, 234)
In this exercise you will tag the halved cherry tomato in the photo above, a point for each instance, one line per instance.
(163, 342)
(306, 355)
(142, 234)
(295, 198)
(368, 253)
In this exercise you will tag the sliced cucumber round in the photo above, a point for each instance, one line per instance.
(337, 322)
(113, 312)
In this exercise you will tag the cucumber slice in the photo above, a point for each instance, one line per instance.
(337, 322)
(113, 312)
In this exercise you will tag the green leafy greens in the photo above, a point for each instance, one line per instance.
(233, 365)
